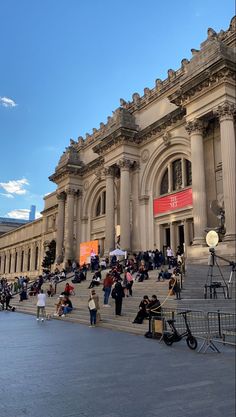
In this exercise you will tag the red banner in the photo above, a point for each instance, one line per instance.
(173, 202)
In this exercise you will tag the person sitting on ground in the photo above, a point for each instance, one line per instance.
(69, 290)
(163, 274)
(50, 291)
(59, 308)
(67, 306)
(171, 285)
(142, 313)
(142, 274)
(154, 307)
(95, 280)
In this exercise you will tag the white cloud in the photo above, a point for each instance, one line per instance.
(7, 195)
(15, 186)
(19, 214)
(7, 102)
(22, 214)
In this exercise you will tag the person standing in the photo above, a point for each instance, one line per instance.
(169, 255)
(107, 284)
(118, 295)
(41, 302)
(93, 306)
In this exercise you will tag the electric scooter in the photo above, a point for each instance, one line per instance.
(175, 336)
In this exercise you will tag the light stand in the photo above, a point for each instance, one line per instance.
(212, 285)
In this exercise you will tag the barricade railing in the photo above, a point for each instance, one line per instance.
(214, 326)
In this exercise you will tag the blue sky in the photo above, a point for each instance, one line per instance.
(66, 63)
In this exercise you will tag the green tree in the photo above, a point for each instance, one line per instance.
(50, 256)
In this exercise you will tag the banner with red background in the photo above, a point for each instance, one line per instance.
(173, 202)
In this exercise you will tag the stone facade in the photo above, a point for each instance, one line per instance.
(173, 147)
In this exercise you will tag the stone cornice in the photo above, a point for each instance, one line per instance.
(121, 136)
(90, 168)
(161, 124)
(222, 69)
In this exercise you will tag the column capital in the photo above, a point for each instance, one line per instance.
(70, 191)
(225, 111)
(61, 196)
(195, 126)
(124, 164)
(136, 166)
(109, 171)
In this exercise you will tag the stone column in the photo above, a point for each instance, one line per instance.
(186, 235)
(78, 224)
(60, 226)
(227, 133)
(25, 262)
(135, 234)
(69, 238)
(1, 264)
(32, 256)
(195, 130)
(7, 262)
(18, 265)
(110, 211)
(173, 237)
(124, 165)
(13, 257)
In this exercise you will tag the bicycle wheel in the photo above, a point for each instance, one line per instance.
(191, 342)
(167, 337)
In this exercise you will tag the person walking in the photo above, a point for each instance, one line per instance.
(41, 302)
(118, 295)
(107, 284)
(93, 306)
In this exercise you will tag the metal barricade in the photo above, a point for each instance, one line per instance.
(215, 326)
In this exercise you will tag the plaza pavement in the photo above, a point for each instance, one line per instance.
(63, 369)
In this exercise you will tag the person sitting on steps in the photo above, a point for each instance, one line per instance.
(142, 313)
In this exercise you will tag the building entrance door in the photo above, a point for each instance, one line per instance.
(167, 237)
(181, 236)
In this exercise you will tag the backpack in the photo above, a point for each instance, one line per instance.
(113, 293)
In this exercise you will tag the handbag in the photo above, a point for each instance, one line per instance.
(92, 305)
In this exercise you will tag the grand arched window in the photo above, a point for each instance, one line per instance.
(101, 205)
(177, 176)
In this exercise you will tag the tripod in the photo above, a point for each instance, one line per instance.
(212, 285)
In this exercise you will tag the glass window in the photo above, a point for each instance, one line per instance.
(164, 183)
(104, 202)
(98, 208)
(188, 167)
(177, 174)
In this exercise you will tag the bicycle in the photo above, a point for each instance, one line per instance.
(175, 336)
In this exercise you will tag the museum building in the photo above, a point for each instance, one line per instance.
(159, 173)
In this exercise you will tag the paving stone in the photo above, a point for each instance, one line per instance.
(61, 369)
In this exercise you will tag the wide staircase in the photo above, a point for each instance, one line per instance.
(109, 320)
(192, 297)
(193, 288)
